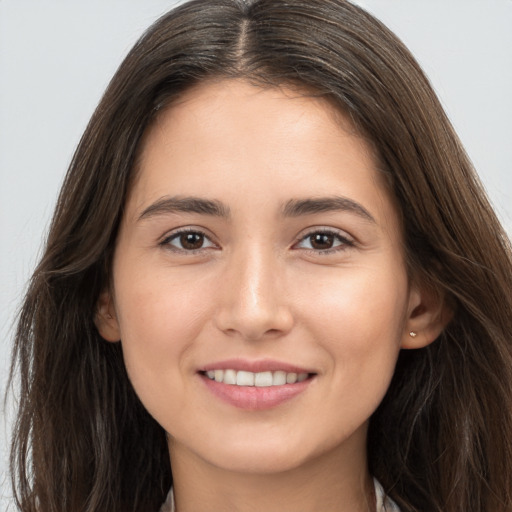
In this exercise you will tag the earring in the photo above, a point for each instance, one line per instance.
(413, 334)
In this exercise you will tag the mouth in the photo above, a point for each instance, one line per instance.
(257, 385)
(256, 379)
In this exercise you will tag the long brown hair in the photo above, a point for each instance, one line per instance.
(442, 438)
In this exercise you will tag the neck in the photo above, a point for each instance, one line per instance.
(330, 482)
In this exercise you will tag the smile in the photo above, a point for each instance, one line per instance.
(260, 379)
(256, 385)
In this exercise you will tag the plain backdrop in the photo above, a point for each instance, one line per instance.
(57, 56)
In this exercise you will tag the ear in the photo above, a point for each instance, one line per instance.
(428, 315)
(105, 318)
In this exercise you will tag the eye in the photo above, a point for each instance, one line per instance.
(324, 241)
(188, 240)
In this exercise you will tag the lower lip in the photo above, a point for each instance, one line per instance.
(255, 398)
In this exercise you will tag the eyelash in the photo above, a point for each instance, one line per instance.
(166, 242)
(344, 241)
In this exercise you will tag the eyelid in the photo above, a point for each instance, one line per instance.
(346, 240)
(175, 233)
(343, 237)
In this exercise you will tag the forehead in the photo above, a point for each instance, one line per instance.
(218, 109)
(231, 136)
(243, 104)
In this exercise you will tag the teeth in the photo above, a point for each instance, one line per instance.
(244, 378)
(229, 377)
(263, 379)
(260, 379)
(278, 378)
(291, 378)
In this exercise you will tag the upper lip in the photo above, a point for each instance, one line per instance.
(255, 366)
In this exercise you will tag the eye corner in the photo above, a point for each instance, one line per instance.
(198, 241)
(333, 240)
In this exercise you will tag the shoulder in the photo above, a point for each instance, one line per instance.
(383, 502)
(168, 506)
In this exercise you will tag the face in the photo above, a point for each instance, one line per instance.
(259, 286)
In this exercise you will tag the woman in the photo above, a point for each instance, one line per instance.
(268, 205)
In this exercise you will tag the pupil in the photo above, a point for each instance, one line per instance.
(191, 240)
(322, 241)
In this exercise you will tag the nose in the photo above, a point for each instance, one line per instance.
(253, 300)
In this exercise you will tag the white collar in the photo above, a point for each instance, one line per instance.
(383, 502)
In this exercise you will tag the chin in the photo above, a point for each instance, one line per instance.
(266, 455)
(260, 461)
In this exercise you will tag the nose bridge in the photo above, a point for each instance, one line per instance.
(253, 300)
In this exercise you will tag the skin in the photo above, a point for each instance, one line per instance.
(258, 288)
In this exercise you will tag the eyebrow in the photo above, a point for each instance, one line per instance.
(292, 208)
(185, 205)
(309, 206)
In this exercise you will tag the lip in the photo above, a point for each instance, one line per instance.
(261, 365)
(252, 398)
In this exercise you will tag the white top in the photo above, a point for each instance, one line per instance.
(383, 502)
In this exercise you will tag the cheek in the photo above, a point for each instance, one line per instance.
(160, 307)
(363, 302)
(358, 319)
(160, 318)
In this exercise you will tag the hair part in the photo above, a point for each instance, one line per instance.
(441, 439)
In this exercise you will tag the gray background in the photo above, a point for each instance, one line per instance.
(57, 56)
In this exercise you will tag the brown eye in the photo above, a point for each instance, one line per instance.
(324, 242)
(321, 241)
(191, 241)
(188, 241)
